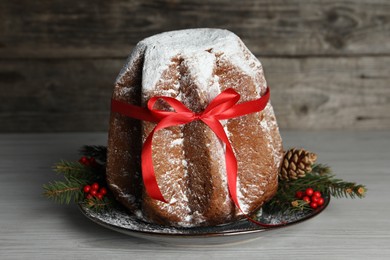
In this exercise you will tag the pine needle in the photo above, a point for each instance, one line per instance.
(98, 204)
(64, 192)
(321, 169)
(74, 170)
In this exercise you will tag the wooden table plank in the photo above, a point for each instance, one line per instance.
(35, 228)
(73, 29)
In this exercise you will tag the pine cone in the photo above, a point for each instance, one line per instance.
(296, 163)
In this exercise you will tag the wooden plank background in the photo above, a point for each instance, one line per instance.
(327, 62)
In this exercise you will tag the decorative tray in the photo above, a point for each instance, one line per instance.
(119, 220)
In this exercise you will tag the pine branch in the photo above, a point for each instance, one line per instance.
(99, 152)
(320, 179)
(74, 170)
(64, 192)
(77, 175)
(337, 187)
(286, 206)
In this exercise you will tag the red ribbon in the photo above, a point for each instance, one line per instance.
(224, 106)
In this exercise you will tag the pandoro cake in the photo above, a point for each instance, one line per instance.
(193, 66)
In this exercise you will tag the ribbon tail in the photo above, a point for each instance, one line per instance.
(132, 111)
(148, 173)
(230, 158)
(231, 168)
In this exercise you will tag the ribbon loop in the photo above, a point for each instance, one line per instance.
(222, 103)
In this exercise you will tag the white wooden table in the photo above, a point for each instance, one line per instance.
(32, 227)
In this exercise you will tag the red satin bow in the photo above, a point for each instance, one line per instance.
(224, 106)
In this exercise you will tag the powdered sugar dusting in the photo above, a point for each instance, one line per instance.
(241, 198)
(134, 57)
(178, 141)
(214, 90)
(130, 198)
(200, 66)
(269, 126)
(125, 90)
(198, 47)
(121, 219)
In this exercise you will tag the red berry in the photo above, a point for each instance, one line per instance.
(313, 205)
(309, 192)
(99, 196)
(95, 186)
(299, 194)
(86, 188)
(93, 193)
(306, 198)
(320, 201)
(84, 160)
(317, 194)
(89, 196)
(103, 191)
(314, 199)
(92, 162)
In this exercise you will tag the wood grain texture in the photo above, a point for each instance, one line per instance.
(47, 29)
(56, 95)
(326, 61)
(307, 93)
(33, 227)
(330, 93)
